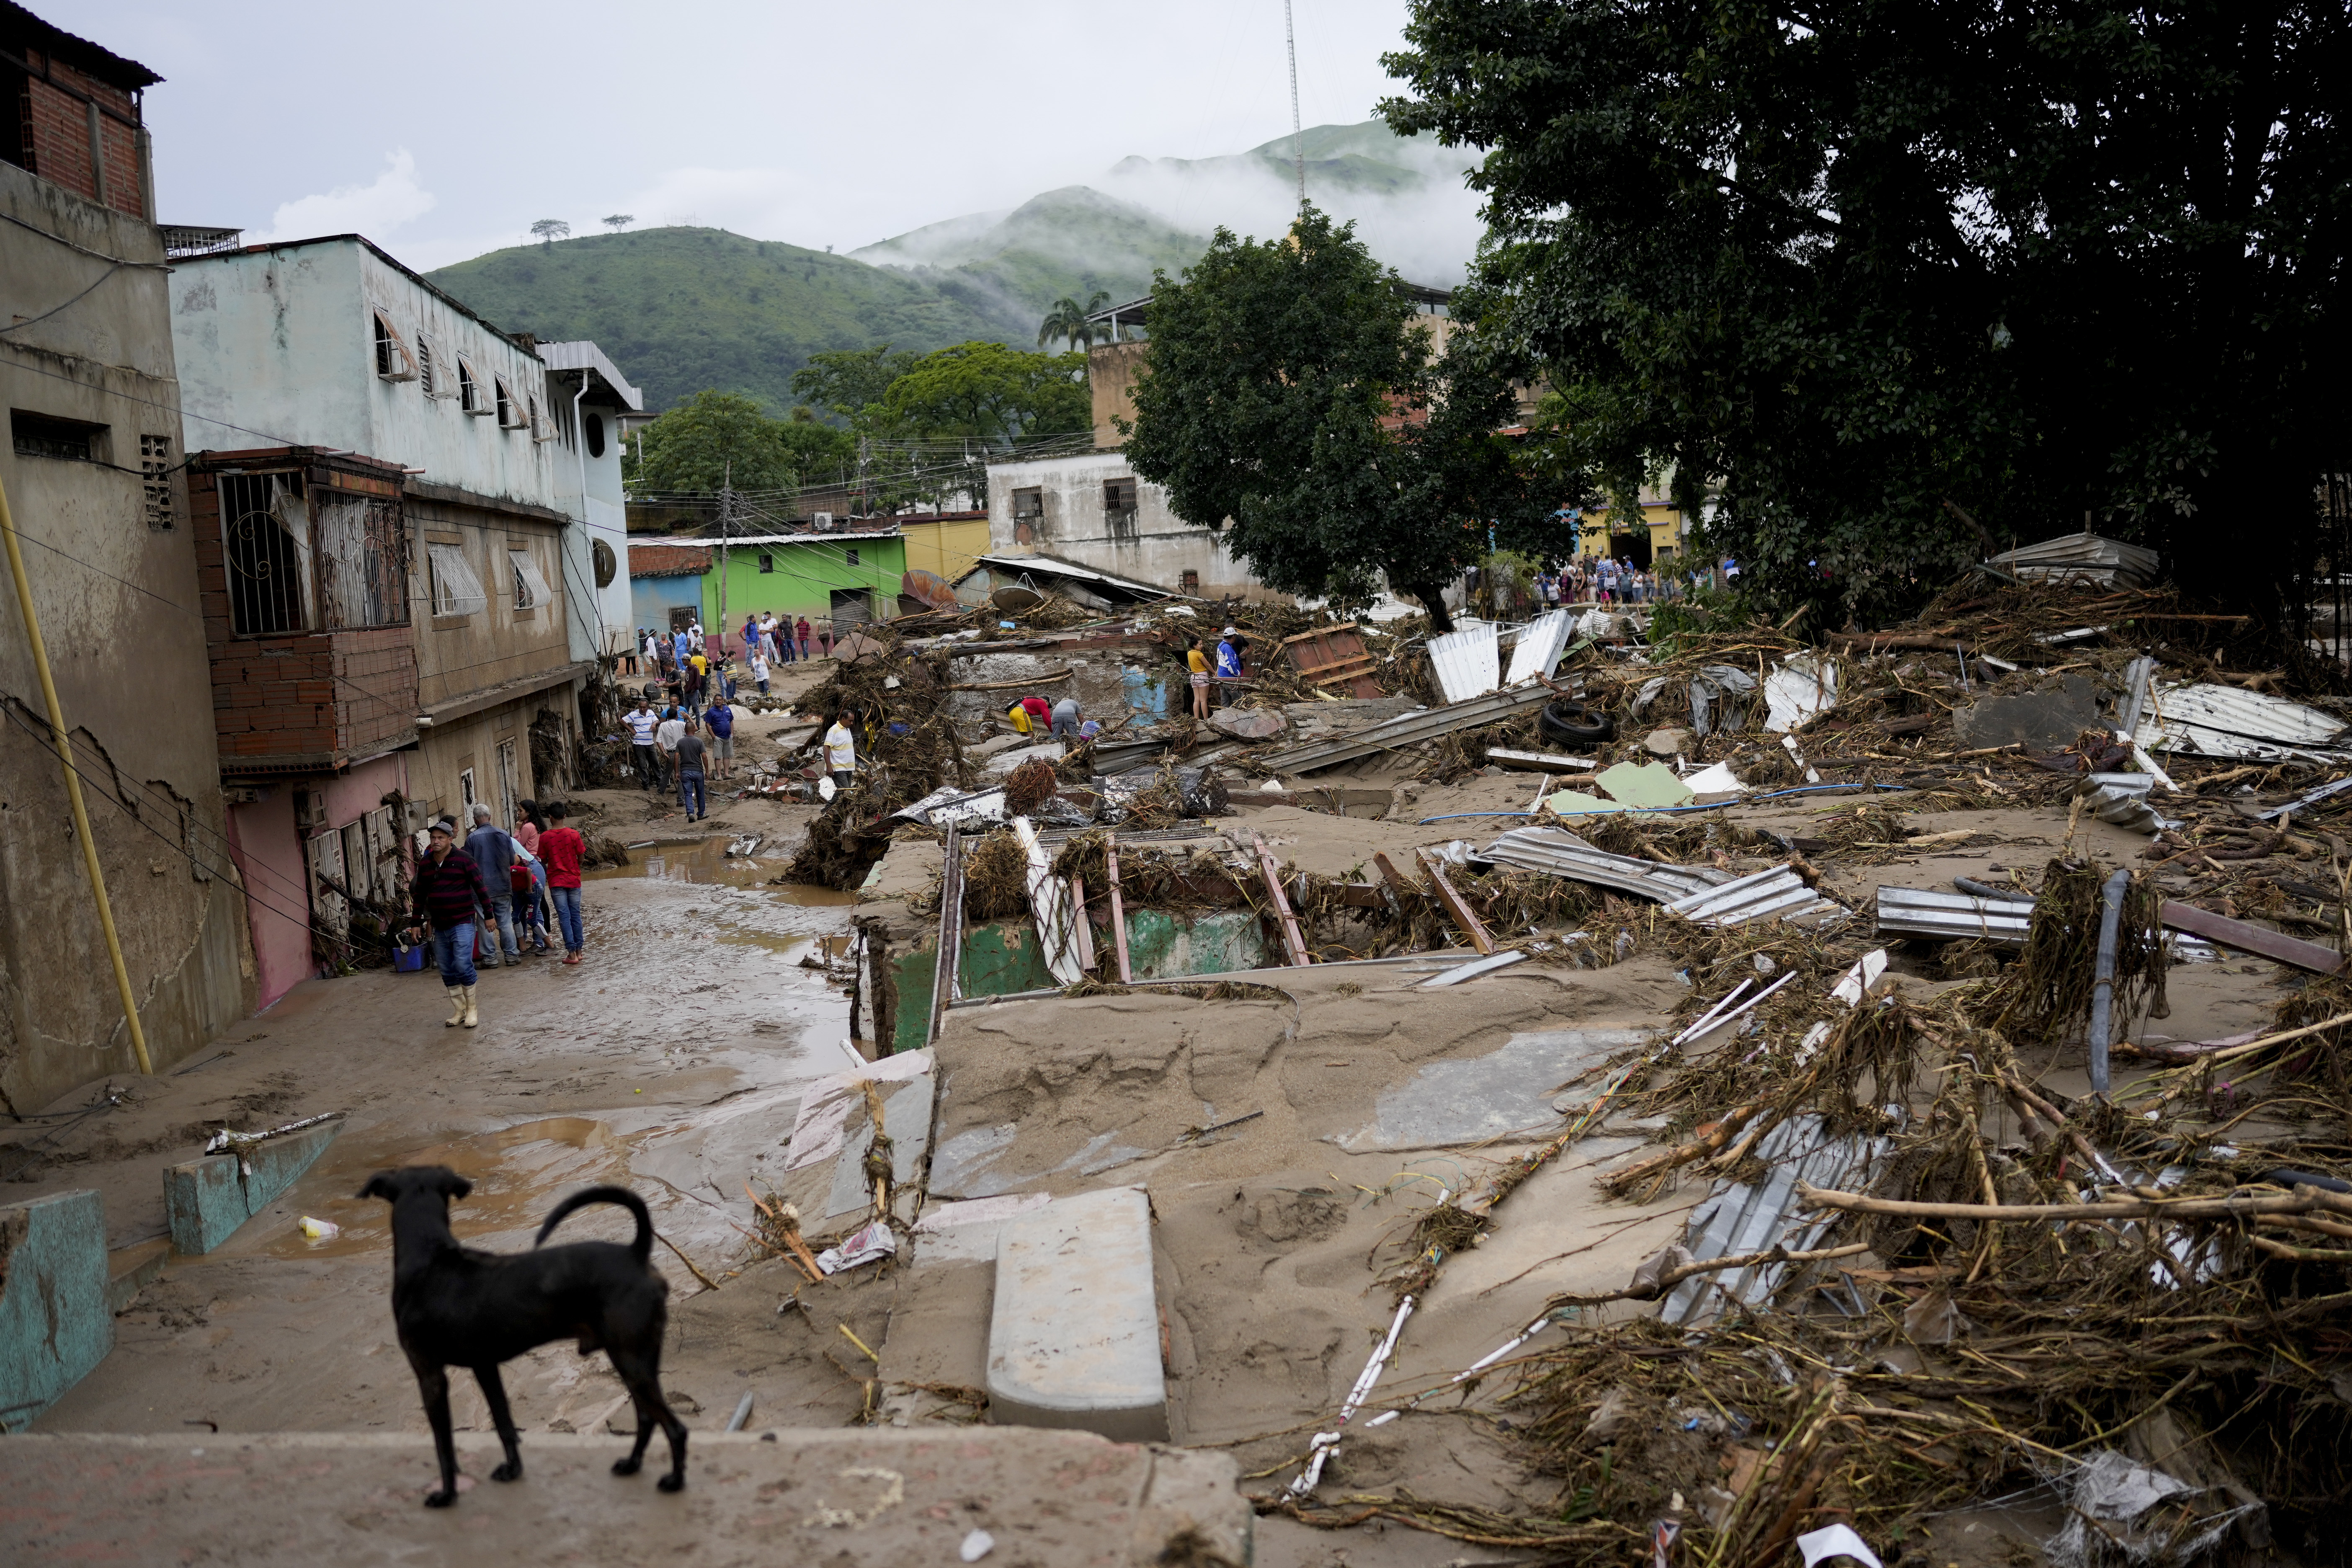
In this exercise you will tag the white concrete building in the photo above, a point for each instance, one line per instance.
(596, 556)
(1092, 509)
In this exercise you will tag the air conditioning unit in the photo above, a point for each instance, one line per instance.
(309, 810)
(822, 521)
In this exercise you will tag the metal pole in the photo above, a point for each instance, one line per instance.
(73, 785)
(726, 526)
(2103, 992)
(1297, 137)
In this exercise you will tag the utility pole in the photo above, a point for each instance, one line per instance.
(726, 527)
(1298, 136)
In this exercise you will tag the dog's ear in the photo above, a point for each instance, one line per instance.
(450, 1183)
(379, 1185)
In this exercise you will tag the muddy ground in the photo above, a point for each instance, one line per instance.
(674, 1059)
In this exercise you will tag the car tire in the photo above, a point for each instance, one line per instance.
(1575, 724)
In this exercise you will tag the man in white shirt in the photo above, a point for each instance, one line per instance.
(642, 757)
(759, 669)
(841, 749)
(671, 731)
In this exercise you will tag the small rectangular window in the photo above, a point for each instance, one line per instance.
(393, 360)
(40, 436)
(1189, 582)
(530, 590)
(456, 590)
(767, 561)
(465, 790)
(1029, 503)
(852, 555)
(1118, 495)
(509, 410)
(155, 469)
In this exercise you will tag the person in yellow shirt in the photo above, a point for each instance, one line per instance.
(1197, 657)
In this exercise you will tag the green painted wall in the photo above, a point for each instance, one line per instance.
(1002, 958)
(802, 576)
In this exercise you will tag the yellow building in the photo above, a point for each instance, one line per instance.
(947, 545)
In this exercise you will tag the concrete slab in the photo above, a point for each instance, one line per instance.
(1074, 1334)
(2040, 721)
(1477, 1098)
(206, 1200)
(860, 1498)
(55, 1325)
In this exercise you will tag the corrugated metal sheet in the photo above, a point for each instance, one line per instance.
(1917, 912)
(1563, 854)
(1426, 725)
(1468, 663)
(2223, 722)
(1741, 1216)
(1538, 648)
(2082, 558)
(1775, 894)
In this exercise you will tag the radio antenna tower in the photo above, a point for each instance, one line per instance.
(1298, 136)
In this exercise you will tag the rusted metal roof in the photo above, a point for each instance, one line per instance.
(668, 560)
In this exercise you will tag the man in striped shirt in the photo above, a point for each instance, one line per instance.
(447, 891)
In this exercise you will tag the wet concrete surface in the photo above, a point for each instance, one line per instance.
(671, 1060)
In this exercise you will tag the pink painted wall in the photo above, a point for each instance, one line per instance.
(361, 791)
(269, 857)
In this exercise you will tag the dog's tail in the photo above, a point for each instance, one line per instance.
(644, 1243)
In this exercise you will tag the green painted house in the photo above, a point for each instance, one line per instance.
(836, 579)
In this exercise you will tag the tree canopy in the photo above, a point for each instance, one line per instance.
(2042, 260)
(844, 380)
(714, 438)
(988, 394)
(1294, 403)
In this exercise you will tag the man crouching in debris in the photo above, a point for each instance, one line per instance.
(447, 889)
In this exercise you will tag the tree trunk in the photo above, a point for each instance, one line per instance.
(1432, 599)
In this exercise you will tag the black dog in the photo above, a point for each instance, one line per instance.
(457, 1307)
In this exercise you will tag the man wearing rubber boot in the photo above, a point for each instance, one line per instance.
(447, 889)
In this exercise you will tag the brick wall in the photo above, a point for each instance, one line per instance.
(59, 123)
(310, 695)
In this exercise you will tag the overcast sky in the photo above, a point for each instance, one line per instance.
(443, 130)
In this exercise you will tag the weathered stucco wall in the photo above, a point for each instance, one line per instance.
(1151, 543)
(115, 591)
(277, 347)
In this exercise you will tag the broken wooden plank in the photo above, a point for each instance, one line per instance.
(1118, 914)
(1292, 941)
(1539, 762)
(1455, 904)
(1082, 926)
(943, 970)
(2226, 932)
(1049, 906)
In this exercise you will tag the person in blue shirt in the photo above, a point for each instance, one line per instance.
(719, 719)
(683, 647)
(1229, 662)
(493, 854)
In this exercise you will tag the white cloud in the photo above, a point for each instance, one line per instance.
(375, 210)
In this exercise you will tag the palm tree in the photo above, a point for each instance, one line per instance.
(1068, 319)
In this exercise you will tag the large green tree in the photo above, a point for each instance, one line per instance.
(713, 438)
(988, 394)
(1847, 261)
(844, 380)
(1294, 403)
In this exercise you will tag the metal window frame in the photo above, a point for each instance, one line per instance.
(464, 596)
(528, 580)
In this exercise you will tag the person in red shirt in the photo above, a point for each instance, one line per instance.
(1041, 714)
(561, 849)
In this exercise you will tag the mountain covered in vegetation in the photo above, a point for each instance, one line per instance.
(683, 309)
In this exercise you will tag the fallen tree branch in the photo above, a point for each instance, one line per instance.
(2303, 1200)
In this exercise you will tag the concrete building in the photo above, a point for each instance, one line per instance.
(835, 580)
(1092, 510)
(603, 408)
(380, 527)
(88, 379)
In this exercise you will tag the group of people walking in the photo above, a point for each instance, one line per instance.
(685, 745)
(479, 898)
(1603, 580)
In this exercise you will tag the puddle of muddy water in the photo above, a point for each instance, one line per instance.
(708, 861)
(519, 1174)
